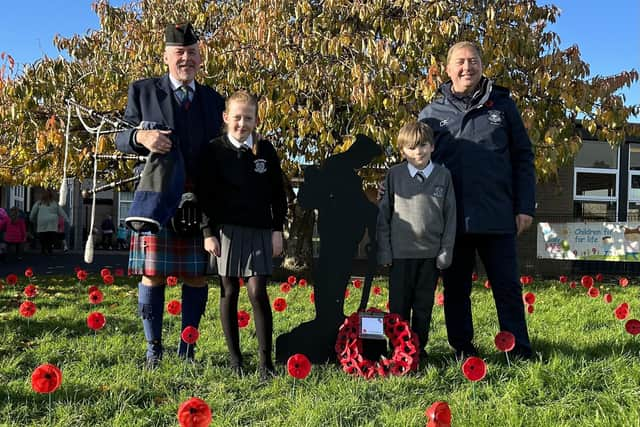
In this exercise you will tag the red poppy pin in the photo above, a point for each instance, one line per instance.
(608, 298)
(298, 366)
(489, 103)
(624, 282)
(586, 281)
(190, 335)
(377, 290)
(172, 280)
(505, 341)
(563, 279)
(243, 319)
(27, 309)
(28, 273)
(81, 275)
(96, 321)
(474, 368)
(279, 304)
(438, 415)
(633, 326)
(529, 298)
(174, 307)
(599, 277)
(96, 297)
(107, 279)
(194, 413)
(357, 283)
(292, 280)
(11, 279)
(105, 272)
(593, 292)
(30, 291)
(285, 287)
(46, 378)
(302, 283)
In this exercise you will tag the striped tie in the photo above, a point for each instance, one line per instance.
(183, 94)
(419, 176)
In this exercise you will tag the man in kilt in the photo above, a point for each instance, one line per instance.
(175, 115)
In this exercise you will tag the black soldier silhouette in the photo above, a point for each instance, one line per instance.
(344, 214)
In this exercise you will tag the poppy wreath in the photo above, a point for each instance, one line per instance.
(404, 357)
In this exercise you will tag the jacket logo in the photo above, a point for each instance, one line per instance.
(260, 165)
(444, 123)
(438, 191)
(495, 117)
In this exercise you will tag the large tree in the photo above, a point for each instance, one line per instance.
(326, 70)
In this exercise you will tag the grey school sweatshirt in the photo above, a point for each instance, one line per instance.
(417, 219)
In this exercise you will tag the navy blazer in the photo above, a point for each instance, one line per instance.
(150, 100)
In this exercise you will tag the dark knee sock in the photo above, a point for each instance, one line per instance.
(262, 317)
(194, 302)
(229, 291)
(151, 309)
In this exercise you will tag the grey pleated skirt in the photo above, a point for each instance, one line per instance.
(245, 251)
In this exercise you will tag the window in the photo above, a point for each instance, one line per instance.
(16, 196)
(633, 209)
(125, 198)
(595, 179)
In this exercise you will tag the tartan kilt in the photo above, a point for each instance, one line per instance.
(167, 254)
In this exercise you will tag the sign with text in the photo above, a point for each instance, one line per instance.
(602, 241)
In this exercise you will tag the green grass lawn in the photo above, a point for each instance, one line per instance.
(585, 373)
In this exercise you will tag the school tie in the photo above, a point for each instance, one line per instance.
(419, 176)
(184, 95)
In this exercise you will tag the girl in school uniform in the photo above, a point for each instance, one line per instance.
(241, 191)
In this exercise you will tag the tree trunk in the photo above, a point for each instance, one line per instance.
(298, 254)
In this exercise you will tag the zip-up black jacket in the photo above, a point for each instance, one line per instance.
(485, 146)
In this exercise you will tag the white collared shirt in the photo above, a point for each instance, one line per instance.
(176, 84)
(248, 143)
(425, 172)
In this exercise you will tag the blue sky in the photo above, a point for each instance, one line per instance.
(606, 31)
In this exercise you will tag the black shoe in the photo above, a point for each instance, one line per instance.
(462, 353)
(267, 373)
(152, 363)
(236, 367)
(521, 353)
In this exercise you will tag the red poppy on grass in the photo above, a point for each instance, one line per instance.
(312, 297)
(92, 289)
(633, 326)
(285, 287)
(474, 368)
(30, 291)
(624, 282)
(119, 272)
(28, 273)
(96, 297)
(586, 281)
(530, 308)
(96, 321)
(194, 413)
(292, 280)
(243, 319)
(526, 280)
(573, 284)
(440, 298)
(487, 284)
(190, 335)
(107, 279)
(377, 290)
(81, 275)
(621, 313)
(46, 378)
(279, 304)
(438, 415)
(608, 298)
(357, 283)
(105, 272)
(27, 309)
(529, 298)
(172, 280)
(11, 279)
(302, 283)
(599, 277)
(174, 307)
(298, 366)
(593, 292)
(505, 341)
(474, 276)
(563, 279)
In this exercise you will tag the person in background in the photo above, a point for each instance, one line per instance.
(108, 229)
(122, 237)
(45, 213)
(4, 220)
(16, 232)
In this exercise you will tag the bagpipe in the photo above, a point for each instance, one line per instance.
(159, 198)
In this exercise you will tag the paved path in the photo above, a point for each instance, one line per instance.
(61, 263)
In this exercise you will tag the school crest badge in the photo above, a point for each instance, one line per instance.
(495, 117)
(438, 191)
(260, 165)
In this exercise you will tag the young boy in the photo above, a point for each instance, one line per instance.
(416, 227)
